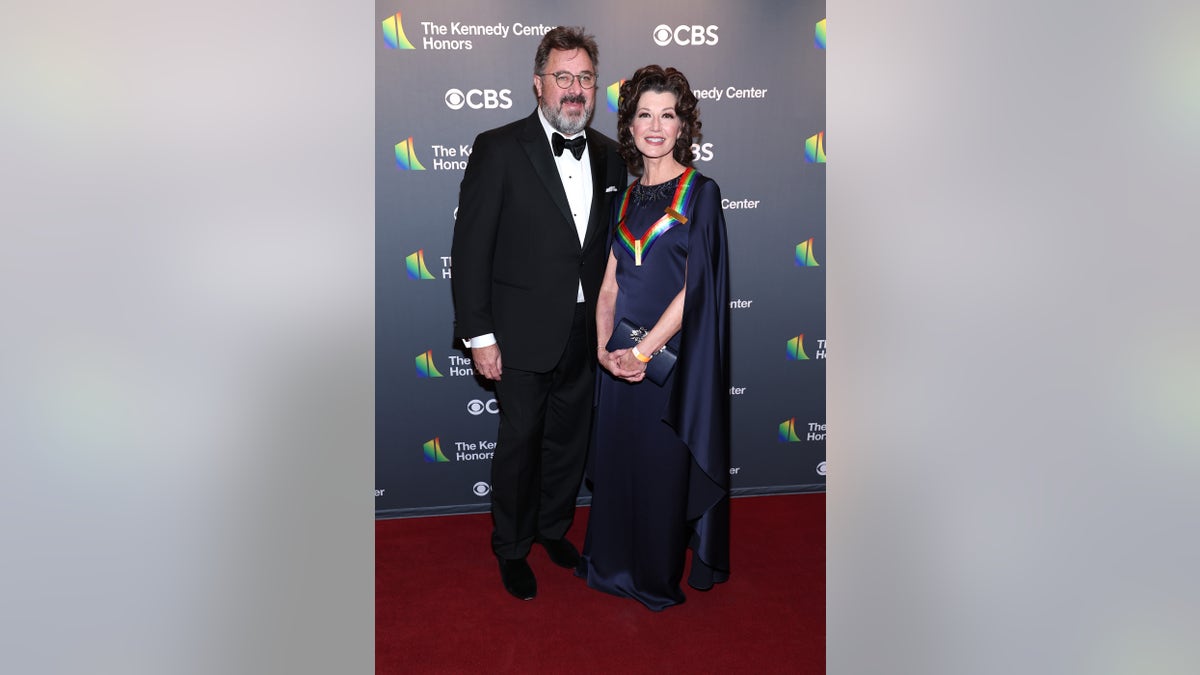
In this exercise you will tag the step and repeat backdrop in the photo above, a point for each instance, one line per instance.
(446, 71)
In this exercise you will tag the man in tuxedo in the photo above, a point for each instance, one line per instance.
(529, 251)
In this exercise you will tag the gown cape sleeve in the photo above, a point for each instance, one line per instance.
(698, 408)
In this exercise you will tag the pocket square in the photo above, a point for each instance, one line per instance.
(611, 188)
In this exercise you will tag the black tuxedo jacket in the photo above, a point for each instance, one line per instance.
(517, 261)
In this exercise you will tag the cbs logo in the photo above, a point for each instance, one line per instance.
(481, 489)
(821, 469)
(702, 152)
(477, 99)
(477, 407)
(684, 35)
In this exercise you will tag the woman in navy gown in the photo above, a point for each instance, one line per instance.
(659, 467)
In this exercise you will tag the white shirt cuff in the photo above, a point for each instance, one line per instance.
(485, 340)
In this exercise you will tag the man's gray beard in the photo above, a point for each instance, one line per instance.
(565, 126)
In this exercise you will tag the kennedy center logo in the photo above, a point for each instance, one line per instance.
(416, 266)
(425, 367)
(787, 431)
(804, 254)
(614, 95)
(406, 156)
(433, 451)
(393, 33)
(820, 34)
(795, 349)
(814, 148)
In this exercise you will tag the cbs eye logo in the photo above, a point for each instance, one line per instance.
(477, 407)
(481, 489)
(479, 99)
(684, 35)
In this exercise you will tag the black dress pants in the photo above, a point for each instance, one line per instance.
(541, 448)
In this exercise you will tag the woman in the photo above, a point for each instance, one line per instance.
(659, 467)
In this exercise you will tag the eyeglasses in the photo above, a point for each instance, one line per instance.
(564, 80)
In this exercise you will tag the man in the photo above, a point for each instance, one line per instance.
(530, 245)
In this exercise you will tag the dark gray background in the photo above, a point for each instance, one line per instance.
(756, 153)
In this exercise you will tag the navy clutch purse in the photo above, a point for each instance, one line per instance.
(626, 335)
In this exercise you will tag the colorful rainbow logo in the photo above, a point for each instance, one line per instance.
(393, 33)
(425, 367)
(795, 349)
(614, 95)
(787, 431)
(416, 266)
(804, 254)
(814, 148)
(820, 39)
(406, 156)
(433, 451)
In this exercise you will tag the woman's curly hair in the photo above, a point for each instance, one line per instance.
(659, 80)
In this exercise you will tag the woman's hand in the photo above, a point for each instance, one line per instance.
(622, 364)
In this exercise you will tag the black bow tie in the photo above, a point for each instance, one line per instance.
(575, 145)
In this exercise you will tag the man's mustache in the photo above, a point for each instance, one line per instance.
(573, 98)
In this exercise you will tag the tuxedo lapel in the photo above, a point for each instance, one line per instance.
(533, 141)
(598, 218)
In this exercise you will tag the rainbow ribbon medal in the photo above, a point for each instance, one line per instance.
(638, 248)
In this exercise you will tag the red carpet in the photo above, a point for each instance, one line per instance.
(440, 607)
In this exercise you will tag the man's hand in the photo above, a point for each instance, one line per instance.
(487, 361)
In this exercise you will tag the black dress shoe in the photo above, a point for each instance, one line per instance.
(562, 552)
(518, 578)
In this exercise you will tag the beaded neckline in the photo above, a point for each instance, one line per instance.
(645, 194)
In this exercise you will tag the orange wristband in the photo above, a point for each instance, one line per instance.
(640, 356)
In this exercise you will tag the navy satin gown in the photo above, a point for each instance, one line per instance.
(640, 471)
